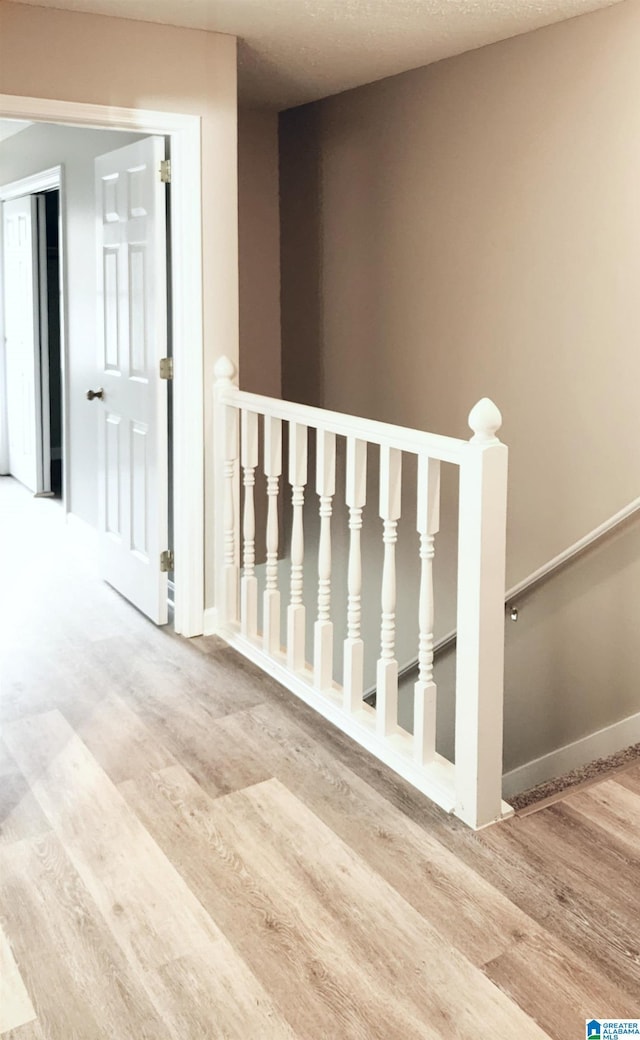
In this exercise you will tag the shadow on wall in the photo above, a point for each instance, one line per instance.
(301, 236)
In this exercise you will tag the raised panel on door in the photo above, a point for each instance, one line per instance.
(112, 476)
(132, 337)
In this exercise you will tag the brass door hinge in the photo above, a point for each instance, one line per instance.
(166, 561)
(166, 368)
(165, 171)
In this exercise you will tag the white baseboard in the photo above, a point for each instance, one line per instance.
(579, 753)
(210, 621)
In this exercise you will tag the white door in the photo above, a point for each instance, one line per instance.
(27, 387)
(132, 338)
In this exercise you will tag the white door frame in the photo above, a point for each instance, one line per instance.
(48, 180)
(188, 348)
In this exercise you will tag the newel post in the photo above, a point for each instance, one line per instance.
(227, 495)
(480, 646)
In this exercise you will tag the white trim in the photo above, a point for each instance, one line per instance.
(35, 182)
(449, 449)
(4, 431)
(395, 750)
(64, 358)
(210, 622)
(436, 781)
(188, 382)
(51, 179)
(580, 752)
(547, 569)
(74, 113)
(44, 410)
(188, 348)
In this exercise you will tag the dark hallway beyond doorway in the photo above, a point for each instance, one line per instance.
(52, 210)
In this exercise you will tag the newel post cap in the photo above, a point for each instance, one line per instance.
(224, 370)
(485, 419)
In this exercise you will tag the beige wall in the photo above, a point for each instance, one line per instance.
(78, 57)
(472, 229)
(259, 250)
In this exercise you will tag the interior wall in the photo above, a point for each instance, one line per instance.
(71, 56)
(259, 252)
(35, 149)
(472, 228)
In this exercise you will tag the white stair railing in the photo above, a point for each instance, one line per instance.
(470, 787)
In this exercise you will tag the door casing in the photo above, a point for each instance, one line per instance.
(46, 180)
(187, 331)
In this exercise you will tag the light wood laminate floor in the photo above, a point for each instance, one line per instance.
(188, 853)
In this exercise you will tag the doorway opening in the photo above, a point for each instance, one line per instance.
(52, 318)
(31, 407)
(184, 132)
(85, 332)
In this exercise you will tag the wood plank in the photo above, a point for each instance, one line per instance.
(614, 809)
(15, 1005)
(549, 908)
(586, 854)
(120, 741)
(218, 998)
(20, 814)
(32, 1031)
(7, 764)
(204, 991)
(280, 945)
(428, 875)
(149, 909)
(630, 779)
(28, 684)
(178, 676)
(586, 899)
(556, 988)
(82, 985)
(307, 914)
(417, 865)
(179, 706)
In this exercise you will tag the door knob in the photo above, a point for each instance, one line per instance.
(95, 393)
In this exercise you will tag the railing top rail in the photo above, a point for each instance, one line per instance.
(447, 449)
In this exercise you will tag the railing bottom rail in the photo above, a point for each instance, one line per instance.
(436, 779)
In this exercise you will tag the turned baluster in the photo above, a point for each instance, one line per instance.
(296, 610)
(249, 582)
(387, 669)
(271, 597)
(355, 496)
(428, 523)
(323, 628)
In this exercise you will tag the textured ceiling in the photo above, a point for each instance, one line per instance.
(293, 51)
